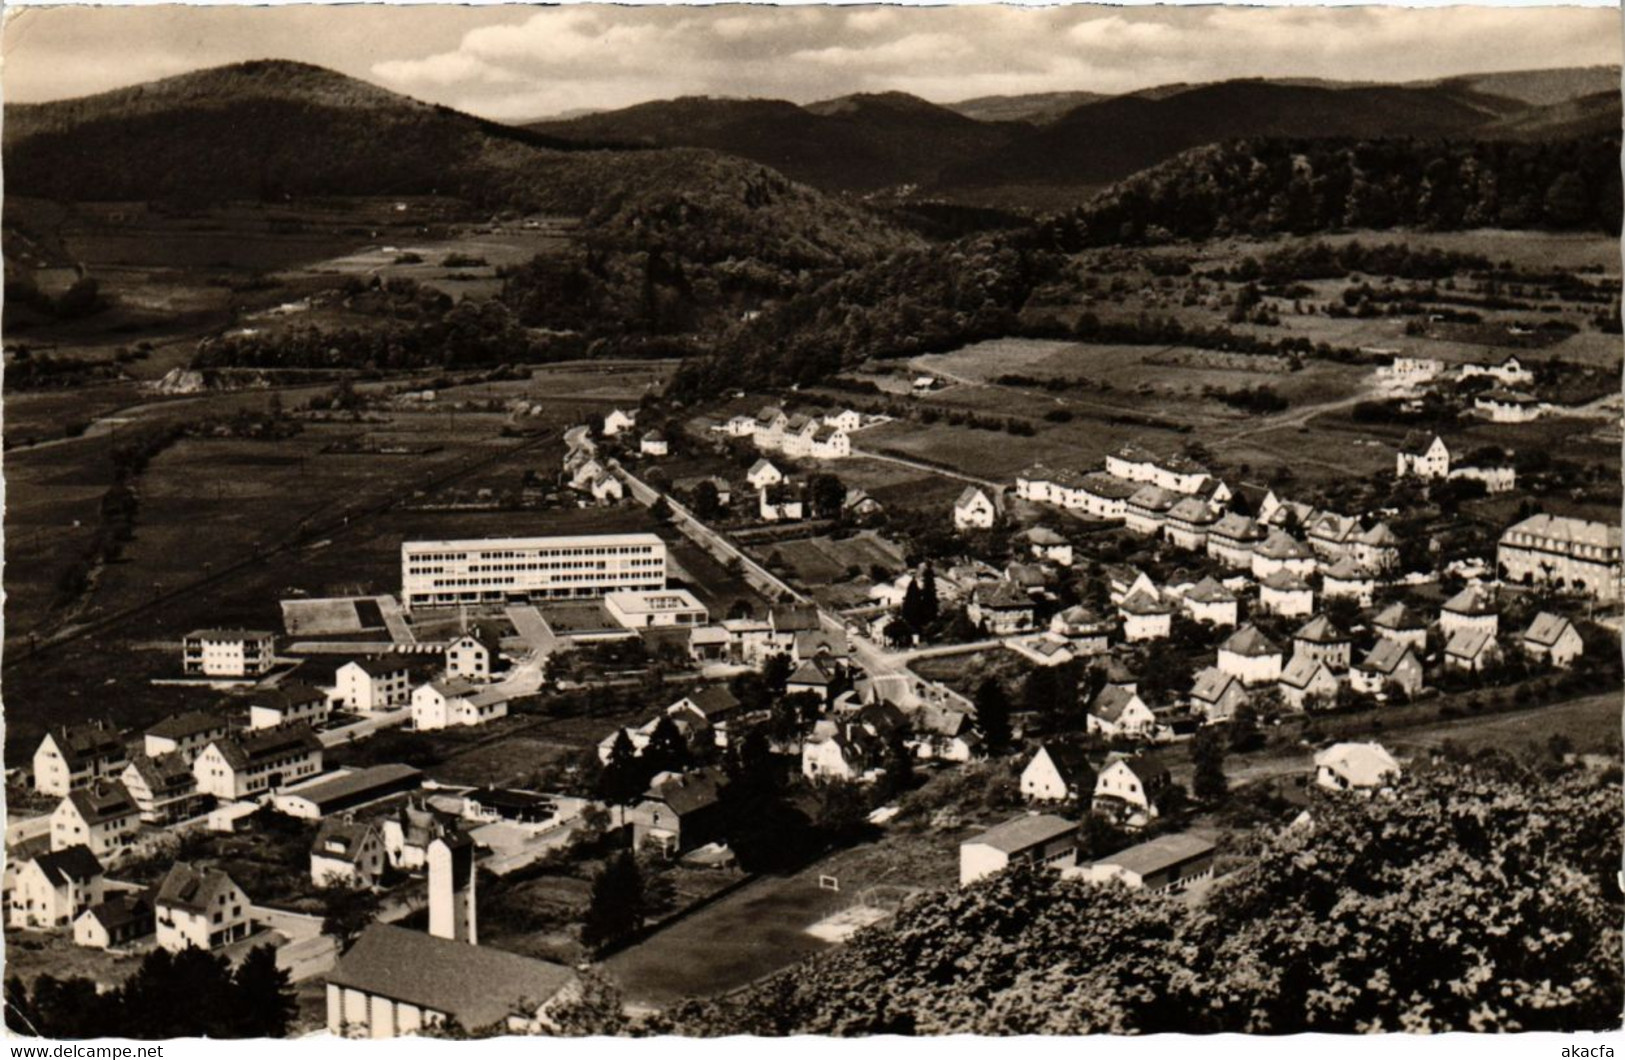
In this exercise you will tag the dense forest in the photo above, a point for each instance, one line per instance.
(1502, 871)
(1267, 186)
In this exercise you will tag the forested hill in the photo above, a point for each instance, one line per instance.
(275, 129)
(1300, 186)
(1491, 904)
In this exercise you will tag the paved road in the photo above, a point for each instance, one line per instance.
(874, 658)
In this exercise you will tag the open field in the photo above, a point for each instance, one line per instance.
(343, 510)
(821, 560)
(1592, 724)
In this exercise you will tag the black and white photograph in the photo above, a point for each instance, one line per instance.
(690, 522)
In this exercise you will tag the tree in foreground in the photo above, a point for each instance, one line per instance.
(1490, 903)
(993, 714)
(1208, 782)
(616, 906)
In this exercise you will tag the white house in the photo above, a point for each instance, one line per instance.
(1215, 695)
(1231, 540)
(54, 888)
(763, 474)
(118, 920)
(1471, 650)
(258, 762)
(1319, 638)
(1058, 773)
(1375, 548)
(1176, 473)
(1355, 767)
(1145, 616)
(1410, 370)
(228, 652)
(1474, 609)
(103, 817)
(1250, 656)
(287, 703)
(1146, 511)
(786, 509)
(444, 704)
(1116, 712)
(372, 685)
(74, 756)
(1497, 478)
(1422, 456)
(973, 510)
(1399, 623)
(184, 734)
(1280, 551)
(605, 488)
(476, 655)
(1046, 544)
(1554, 639)
(841, 751)
(1032, 838)
(1390, 662)
(618, 420)
(1307, 681)
(347, 851)
(829, 443)
(1286, 594)
(847, 420)
(201, 908)
(1507, 406)
(1210, 602)
(1130, 787)
(1188, 523)
(1001, 607)
(1510, 372)
(653, 443)
(164, 787)
(1347, 580)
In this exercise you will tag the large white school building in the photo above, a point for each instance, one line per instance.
(504, 570)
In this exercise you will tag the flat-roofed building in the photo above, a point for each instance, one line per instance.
(340, 791)
(1166, 863)
(1037, 837)
(228, 652)
(644, 610)
(504, 570)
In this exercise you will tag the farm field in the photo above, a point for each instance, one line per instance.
(822, 560)
(252, 496)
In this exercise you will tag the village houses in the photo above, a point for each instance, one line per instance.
(1355, 767)
(372, 685)
(973, 510)
(74, 756)
(257, 762)
(52, 889)
(103, 817)
(1553, 639)
(200, 907)
(1058, 772)
(228, 652)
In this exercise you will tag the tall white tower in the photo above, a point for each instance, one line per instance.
(452, 899)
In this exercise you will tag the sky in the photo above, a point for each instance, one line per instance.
(512, 62)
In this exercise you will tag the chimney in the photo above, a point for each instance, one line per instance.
(452, 898)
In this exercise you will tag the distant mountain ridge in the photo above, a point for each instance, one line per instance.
(1051, 150)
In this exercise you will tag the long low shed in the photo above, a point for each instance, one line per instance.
(326, 796)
